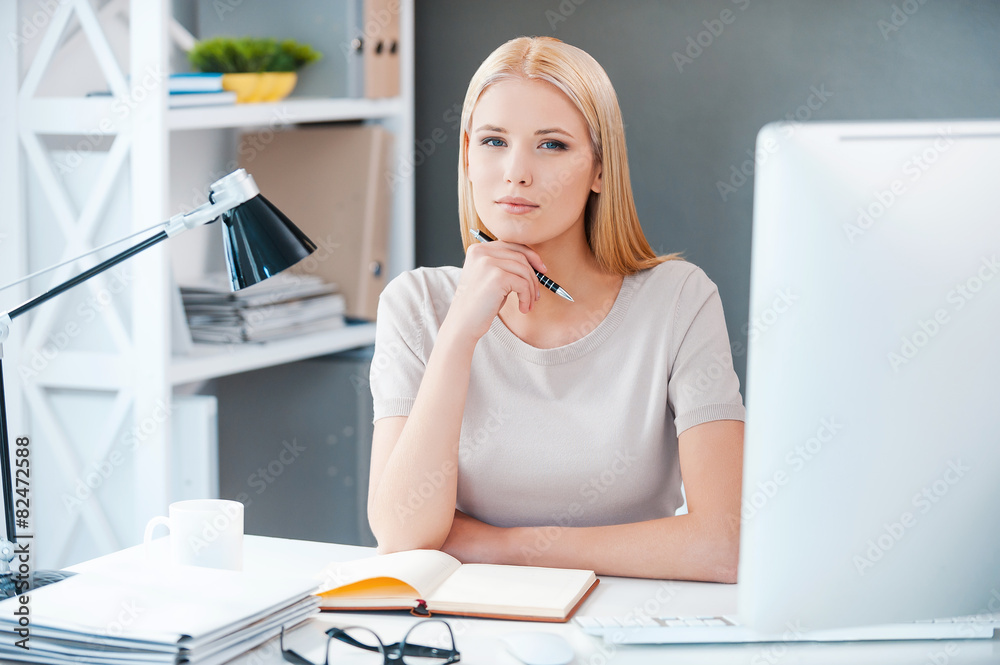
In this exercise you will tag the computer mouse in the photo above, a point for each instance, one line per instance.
(538, 648)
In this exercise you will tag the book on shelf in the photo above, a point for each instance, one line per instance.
(195, 82)
(435, 582)
(287, 305)
(180, 100)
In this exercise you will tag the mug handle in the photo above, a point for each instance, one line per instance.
(150, 526)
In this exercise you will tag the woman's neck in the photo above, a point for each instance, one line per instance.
(555, 321)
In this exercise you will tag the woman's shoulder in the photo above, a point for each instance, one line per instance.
(675, 276)
(422, 285)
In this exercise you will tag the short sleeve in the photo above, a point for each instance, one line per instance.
(399, 360)
(702, 385)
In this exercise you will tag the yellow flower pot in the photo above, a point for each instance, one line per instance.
(261, 87)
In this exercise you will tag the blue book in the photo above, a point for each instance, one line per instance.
(195, 82)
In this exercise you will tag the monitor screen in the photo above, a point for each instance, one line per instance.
(872, 455)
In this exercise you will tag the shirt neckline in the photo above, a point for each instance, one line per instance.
(562, 354)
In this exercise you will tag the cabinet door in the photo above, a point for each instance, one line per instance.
(295, 447)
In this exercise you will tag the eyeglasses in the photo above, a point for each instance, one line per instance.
(428, 642)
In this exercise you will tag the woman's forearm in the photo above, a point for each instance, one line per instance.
(414, 502)
(685, 547)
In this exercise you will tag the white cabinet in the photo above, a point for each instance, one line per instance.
(91, 378)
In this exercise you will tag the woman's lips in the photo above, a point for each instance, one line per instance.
(516, 207)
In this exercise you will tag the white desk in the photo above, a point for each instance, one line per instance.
(478, 639)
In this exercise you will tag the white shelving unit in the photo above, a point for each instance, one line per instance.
(207, 362)
(85, 401)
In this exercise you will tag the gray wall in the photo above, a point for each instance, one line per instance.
(689, 127)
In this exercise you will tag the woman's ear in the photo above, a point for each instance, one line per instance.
(596, 185)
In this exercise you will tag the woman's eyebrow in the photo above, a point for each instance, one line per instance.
(501, 130)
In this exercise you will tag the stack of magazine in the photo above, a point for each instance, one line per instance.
(286, 305)
(199, 616)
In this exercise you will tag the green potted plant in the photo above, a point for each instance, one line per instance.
(257, 69)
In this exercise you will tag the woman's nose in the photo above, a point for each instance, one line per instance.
(517, 169)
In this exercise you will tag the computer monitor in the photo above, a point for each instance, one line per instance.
(871, 487)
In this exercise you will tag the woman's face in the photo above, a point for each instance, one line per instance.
(530, 161)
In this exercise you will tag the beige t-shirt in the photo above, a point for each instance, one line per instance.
(579, 435)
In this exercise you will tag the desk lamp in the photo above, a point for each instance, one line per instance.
(260, 242)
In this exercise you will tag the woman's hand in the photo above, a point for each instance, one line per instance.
(492, 271)
(472, 541)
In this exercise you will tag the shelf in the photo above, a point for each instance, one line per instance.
(287, 112)
(77, 115)
(209, 361)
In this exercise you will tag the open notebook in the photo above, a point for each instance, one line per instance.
(432, 581)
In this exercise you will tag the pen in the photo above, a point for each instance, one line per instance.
(546, 282)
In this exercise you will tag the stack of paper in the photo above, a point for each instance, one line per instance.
(201, 616)
(285, 305)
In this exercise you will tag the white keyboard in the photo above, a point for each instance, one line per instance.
(716, 629)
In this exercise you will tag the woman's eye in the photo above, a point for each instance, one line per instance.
(556, 145)
(489, 142)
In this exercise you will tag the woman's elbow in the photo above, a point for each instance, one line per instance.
(401, 542)
(728, 569)
(401, 536)
(722, 562)
(729, 557)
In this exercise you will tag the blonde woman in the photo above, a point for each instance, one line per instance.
(515, 426)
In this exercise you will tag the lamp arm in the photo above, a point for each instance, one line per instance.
(226, 194)
(73, 281)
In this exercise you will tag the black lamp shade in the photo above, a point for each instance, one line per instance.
(261, 242)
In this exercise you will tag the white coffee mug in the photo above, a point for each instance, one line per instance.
(203, 532)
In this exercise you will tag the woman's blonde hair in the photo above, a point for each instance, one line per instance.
(612, 225)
